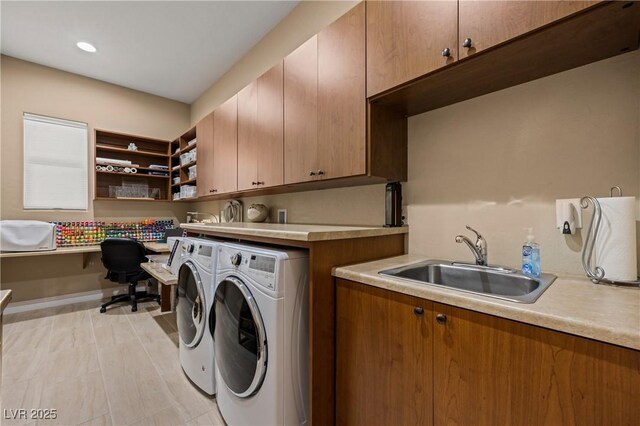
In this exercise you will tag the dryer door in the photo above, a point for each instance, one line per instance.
(190, 305)
(239, 338)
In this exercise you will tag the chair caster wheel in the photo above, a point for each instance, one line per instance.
(103, 310)
(134, 309)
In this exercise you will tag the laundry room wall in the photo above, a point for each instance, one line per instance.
(28, 87)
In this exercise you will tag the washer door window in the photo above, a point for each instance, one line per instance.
(190, 305)
(239, 338)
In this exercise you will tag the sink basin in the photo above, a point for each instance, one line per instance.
(502, 283)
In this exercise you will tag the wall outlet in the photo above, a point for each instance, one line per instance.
(282, 215)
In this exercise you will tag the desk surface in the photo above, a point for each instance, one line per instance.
(5, 298)
(157, 271)
(151, 246)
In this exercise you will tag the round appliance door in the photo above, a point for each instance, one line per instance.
(190, 305)
(239, 338)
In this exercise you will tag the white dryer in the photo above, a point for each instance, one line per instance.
(259, 321)
(195, 292)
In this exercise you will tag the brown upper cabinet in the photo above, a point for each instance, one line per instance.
(325, 117)
(342, 120)
(204, 130)
(301, 113)
(225, 147)
(407, 39)
(484, 24)
(261, 131)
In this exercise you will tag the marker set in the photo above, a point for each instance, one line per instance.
(91, 233)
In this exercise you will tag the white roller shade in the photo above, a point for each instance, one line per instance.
(55, 163)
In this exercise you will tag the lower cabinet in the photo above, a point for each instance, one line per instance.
(384, 348)
(455, 366)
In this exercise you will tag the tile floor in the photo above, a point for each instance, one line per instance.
(116, 368)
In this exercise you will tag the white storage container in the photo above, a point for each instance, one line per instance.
(187, 191)
(192, 172)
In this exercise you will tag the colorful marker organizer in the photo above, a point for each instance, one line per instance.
(70, 234)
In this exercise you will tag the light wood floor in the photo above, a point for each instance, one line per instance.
(117, 368)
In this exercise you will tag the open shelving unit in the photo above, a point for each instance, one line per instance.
(119, 184)
(180, 177)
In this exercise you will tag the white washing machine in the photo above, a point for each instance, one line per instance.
(195, 292)
(259, 322)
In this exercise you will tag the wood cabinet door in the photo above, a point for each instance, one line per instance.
(384, 357)
(248, 137)
(493, 371)
(270, 146)
(301, 113)
(204, 133)
(342, 96)
(487, 23)
(405, 40)
(225, 147)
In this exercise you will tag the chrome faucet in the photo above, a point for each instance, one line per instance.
(479, 249)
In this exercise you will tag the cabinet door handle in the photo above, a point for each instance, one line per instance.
(254, 183)
(467, 43)
(446, 52)
(418, 311)
(441, 318)
(260, 183)
(213, 190)
(312, 173)
(320, 172)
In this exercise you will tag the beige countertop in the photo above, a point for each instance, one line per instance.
(293, 232)
(5, 298)
(59, 250)
(152, 246)
(160, 273)
(572, 304)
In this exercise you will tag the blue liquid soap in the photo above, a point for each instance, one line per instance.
(531, 256)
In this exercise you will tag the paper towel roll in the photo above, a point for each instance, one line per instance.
(615, 247)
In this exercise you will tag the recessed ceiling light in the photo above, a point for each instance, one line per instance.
(87, 47)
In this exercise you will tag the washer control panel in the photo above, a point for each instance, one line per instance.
(262, 263)
(259, 267)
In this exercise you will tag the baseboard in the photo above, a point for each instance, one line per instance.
(65, 299)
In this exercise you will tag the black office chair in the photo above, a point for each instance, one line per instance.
(122, 258)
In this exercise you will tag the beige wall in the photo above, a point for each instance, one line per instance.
(307, 19)
(362, 205)
(27, 87)
(499, 162)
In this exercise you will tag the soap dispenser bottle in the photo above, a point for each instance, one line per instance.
(531, 256)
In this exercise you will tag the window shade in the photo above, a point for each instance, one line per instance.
(55, 163)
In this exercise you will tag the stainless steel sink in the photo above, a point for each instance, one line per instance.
(501, 283)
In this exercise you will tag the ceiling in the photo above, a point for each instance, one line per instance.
(175, 49)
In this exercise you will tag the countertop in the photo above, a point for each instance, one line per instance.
(572, 304)
(152, 246)
(294, 232)
(160, 273)
(59, 250)
(5, 298)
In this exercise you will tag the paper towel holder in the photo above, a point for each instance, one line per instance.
(597, 274)
(615, 187)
